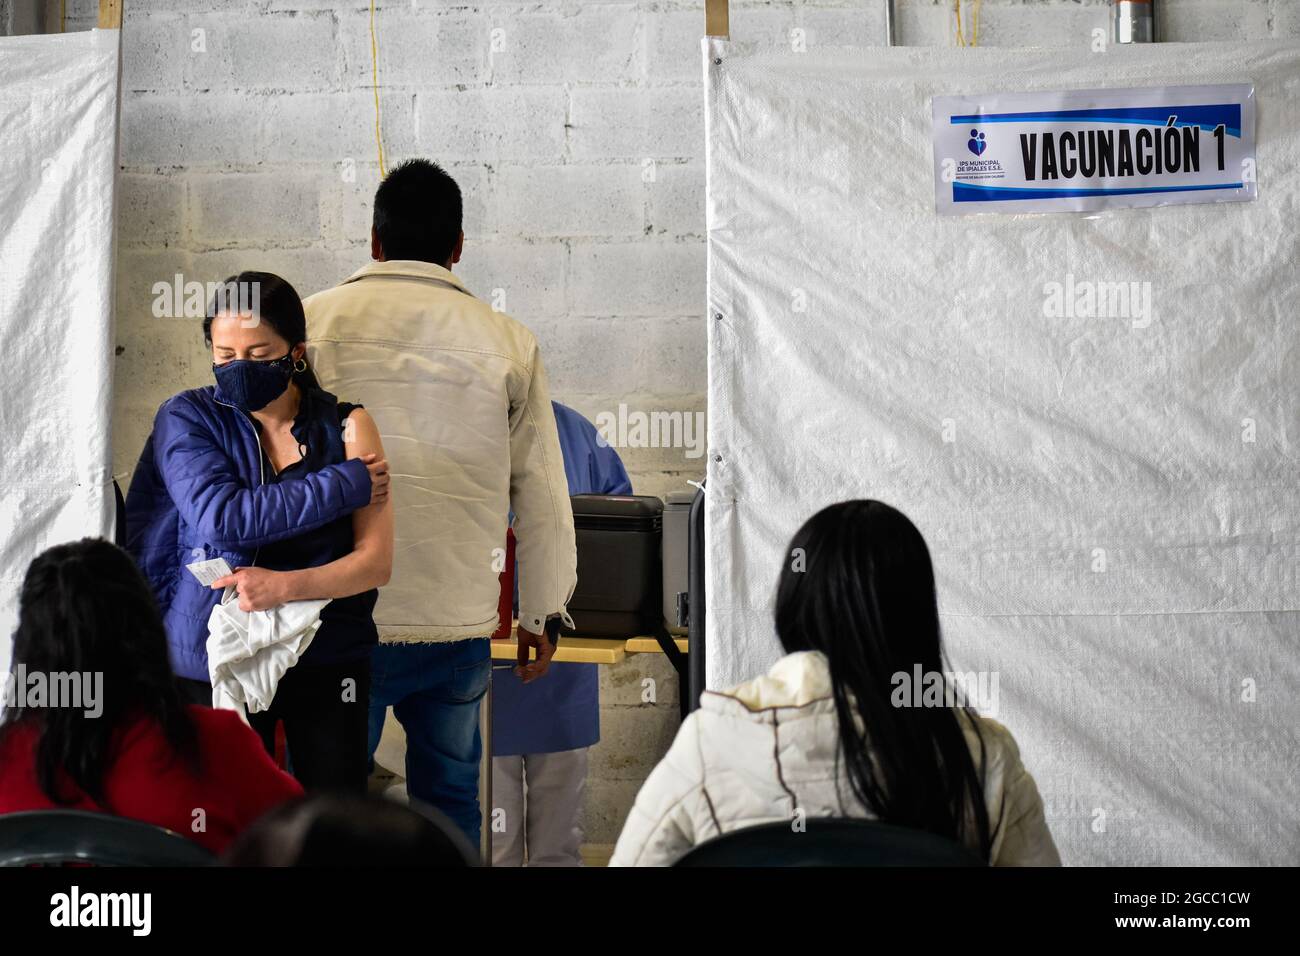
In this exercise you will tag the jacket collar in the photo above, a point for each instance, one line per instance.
(796, 680)
(408, 269)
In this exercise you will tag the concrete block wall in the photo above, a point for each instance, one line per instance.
(575, 130)
(576, 133)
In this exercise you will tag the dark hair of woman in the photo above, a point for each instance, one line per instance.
(85, 608)
(271, 300)
(859, 587)
(342, 830)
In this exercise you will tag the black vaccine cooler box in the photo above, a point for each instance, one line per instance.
(620, 574)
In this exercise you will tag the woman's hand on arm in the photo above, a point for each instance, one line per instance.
(377, 465)
(370, 564)
(211, 496)
(372, 526)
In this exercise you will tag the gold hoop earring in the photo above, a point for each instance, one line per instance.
(300, 365)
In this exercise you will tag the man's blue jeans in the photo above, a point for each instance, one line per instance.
(434, 690)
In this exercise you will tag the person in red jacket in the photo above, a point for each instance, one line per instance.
(93, 718)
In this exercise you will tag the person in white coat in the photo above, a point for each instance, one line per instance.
(829, 731)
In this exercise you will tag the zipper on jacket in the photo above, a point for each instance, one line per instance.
(261, 458)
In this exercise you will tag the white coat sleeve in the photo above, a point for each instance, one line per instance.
(672, 812)
(1021, 836)
(545, 550)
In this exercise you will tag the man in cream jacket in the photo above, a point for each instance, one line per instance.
(460, 396)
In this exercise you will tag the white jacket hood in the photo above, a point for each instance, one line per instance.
(762, 750)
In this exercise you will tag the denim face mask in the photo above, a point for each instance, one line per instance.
(251, 384)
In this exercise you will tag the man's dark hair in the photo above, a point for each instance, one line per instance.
(418, 213)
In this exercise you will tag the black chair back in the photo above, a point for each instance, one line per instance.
(830, 841)
(57, 837)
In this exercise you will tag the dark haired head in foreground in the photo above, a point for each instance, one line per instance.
(85, 608)
(864, 596)
(418, 215)
(346, 831)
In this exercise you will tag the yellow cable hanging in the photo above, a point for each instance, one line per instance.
(374, 83)
(975, 23)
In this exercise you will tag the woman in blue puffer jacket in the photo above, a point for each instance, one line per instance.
(290, 487)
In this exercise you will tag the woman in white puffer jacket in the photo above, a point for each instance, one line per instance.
(828, 732)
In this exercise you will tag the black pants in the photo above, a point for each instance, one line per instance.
(195, 691)
(325, 710)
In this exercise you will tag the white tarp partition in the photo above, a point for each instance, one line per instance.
(1112, 508)
(58, 114)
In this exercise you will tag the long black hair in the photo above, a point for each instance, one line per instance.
(85, 608)
(859, 587)
(273, 301)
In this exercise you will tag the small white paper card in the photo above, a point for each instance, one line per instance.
(209, 571)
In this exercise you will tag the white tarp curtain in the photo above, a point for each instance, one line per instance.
(58, 117)
(1112, 510)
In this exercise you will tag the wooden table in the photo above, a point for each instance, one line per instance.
(589, 650)
(572, 650)
(650, 645)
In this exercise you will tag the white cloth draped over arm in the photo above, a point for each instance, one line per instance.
(539, 496)
(249, 651)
